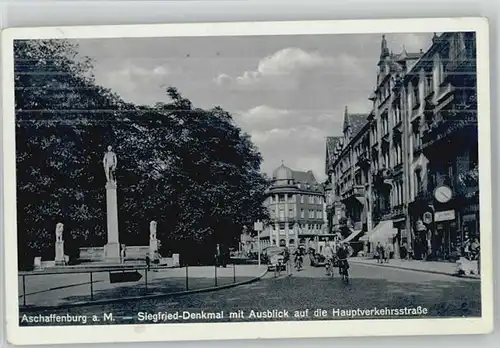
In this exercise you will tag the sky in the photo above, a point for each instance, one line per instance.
(288, 92)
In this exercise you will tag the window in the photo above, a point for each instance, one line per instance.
(290, 212)
(401, 192)
(437, 71)
(416, 99)
(281, 198)
(302, 215)
(301, 198)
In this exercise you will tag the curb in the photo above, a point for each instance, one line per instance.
(417, 270)
(145, 297)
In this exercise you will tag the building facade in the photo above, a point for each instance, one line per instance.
(417, 155)
(441, 108)
(348, 184)
(387, 155)
(296, 203)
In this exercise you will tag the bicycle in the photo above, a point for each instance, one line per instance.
(344, 270)
(277, 268)
(330, 267)
(298, 263)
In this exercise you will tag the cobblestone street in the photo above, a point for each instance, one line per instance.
(370, 287)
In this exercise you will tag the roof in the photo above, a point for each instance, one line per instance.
(304, 177)
(282, 173)
(357, 122)
(331, 144)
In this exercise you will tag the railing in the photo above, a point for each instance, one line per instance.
(76, 286)
(446, 127)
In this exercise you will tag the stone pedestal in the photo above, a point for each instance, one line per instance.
(112, 248)
(59, 259)
(37, 263)
(153, 248)
(175, 260)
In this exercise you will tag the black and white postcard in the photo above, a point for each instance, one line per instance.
(247, 180)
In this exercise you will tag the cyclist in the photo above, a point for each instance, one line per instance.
(298, 256)
(286, 260)
(329, 254)
(343, 254)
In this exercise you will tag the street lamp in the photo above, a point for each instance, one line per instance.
(258, 226)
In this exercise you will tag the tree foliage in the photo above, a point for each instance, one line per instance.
(192, 170)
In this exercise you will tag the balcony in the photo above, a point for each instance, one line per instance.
(398, 211)
(357, 190)
(382, 177)
(398, 169)
(442, 129)
(363, 160)
(386, 214)
(353, 192)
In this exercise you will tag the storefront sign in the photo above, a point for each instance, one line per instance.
(444, 215)
(427, 217)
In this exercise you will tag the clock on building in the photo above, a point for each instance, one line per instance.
(443, 194)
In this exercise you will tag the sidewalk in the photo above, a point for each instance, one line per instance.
(445, 268)
(55, 290)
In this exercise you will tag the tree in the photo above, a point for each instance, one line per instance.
(192, 170)
(61, 118)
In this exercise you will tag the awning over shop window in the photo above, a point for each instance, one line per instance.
(361, 200)
(353, 235)
(381, 233)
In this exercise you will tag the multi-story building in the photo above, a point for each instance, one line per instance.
(441, 110)
(296, 204)
(423, 150)
(348, 173)
(387, 153)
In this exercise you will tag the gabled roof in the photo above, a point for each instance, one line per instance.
(331, 146)
(353, 122)
(357, 121)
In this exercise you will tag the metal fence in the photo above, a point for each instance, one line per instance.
(120, 282)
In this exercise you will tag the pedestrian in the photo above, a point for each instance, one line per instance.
(378, 252)
(389, 251)
(148, 262)
(410, 252)
(287, 261)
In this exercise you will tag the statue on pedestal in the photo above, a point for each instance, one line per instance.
(59, 247)
(59, 232)
(110, 161)
(152, 230)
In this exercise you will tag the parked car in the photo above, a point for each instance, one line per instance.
(272, 255)
(317, 260)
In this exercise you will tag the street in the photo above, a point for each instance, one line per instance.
(370, 287)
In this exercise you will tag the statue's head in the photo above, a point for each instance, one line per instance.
(110, 148)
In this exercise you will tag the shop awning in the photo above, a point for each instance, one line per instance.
(361, 200)
(382, 232)
(353, 235)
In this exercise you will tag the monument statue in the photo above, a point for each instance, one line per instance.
(110, 162)
(59, 232)
(59, 246)
(152, 230)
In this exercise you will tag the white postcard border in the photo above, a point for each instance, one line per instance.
(247, 330)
